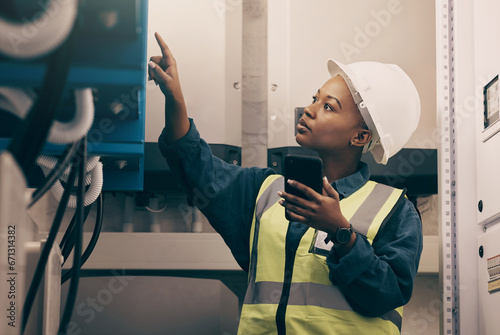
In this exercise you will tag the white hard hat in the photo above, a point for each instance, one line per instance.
(387, 100)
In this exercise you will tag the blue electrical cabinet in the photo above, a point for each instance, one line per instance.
(110, 57)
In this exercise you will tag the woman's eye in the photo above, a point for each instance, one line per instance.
(314, 99)
(328, 107)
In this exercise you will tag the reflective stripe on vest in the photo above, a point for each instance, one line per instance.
(314, 306)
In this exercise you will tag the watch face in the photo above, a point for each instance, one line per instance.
(343, 236)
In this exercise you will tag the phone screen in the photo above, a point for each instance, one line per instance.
(306, 170)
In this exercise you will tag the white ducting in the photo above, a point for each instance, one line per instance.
(19, 102)
(16, 101)
(48, 163)
(36, 38)
(72, 131)
(94, 178)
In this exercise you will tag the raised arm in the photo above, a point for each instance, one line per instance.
(225, 193)
(163, 70)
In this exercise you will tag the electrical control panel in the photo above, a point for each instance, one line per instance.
(493, 264)
(491, 109)
(489, 280)
(485, 107)
(109, 57)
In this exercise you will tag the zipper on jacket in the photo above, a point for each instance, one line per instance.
(285, 293)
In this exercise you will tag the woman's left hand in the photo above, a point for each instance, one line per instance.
(319, 211)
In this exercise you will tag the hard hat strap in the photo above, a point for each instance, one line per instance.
(358, 100)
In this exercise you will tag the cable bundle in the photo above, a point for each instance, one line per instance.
(55, 29)
(77, 167)
(93, 177)
(19, 102)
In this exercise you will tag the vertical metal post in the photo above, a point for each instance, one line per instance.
(447, 174)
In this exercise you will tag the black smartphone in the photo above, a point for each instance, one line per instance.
(306, 170)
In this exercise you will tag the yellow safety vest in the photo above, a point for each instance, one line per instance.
(303, 300)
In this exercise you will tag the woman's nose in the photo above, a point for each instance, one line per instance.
(309, 111)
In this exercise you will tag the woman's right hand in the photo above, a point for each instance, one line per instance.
(163, 70)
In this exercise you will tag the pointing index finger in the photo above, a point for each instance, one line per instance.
(163, 46)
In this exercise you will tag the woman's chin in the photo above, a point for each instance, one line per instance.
(300, 140)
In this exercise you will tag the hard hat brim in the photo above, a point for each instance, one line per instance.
(337, 68)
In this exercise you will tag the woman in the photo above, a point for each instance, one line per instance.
(346, 261)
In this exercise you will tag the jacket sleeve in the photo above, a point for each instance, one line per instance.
(224, 193)
(377, 279)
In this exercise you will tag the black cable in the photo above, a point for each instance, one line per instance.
(61, 165)
(67, 242)
(95, 234)
(93, 239)
(32, 133)
(42, 262)
(73, 287)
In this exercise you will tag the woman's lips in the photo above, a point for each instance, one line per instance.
(302, 126)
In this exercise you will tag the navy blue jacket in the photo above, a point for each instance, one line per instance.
(375, 279)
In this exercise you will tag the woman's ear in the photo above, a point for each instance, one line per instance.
(362, 138)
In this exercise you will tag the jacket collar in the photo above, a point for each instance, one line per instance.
(350, 184)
